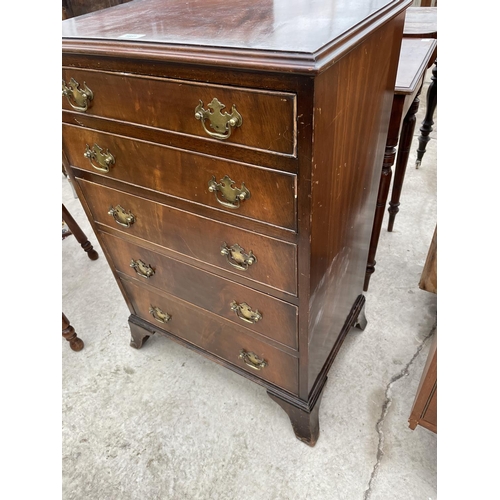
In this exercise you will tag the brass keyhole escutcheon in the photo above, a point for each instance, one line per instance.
(231, 196)
(141, 268)
(78, 98)
(103, 158)
(245, 312)
(237, 257)
(121, 216)
(221, 124)
(159, 315)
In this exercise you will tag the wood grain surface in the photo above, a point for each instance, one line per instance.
(185, 175)
(268, 118)
(215, 335)
(270, 35)
(194, 236)
(207, 290)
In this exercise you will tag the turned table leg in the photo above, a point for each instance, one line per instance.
(407, 130)
(68, 332)
(384, 185)
(428, 122)
(383, 194)
(79, 234)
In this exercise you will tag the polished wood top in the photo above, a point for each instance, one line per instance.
(293, 33)
(421, 22)
(413, 61)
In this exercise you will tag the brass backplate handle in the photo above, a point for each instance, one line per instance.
(121, 216)
(159, 315)
(245, 312)
(103, 158)
(252, 360)
(78, 98)
(237, 257)
(231, 196)
(141, 268)
(221, 124)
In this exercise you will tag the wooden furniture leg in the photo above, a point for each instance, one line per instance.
(138, 335)
(407, 130)
(79, 234)
(305, 421)
(68, 332)
(383, 194)
(428, 122)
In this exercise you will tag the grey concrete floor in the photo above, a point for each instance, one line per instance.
(165, 423)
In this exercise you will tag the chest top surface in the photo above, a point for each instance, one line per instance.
(214, 28)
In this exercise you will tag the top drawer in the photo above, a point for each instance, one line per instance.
(258, 119)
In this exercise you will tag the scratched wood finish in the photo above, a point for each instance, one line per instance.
(273, 35)
(185, 175)
(195, 236)
(338, 60)
(268, 119)
(345, 181)
(207, 290)
(215, 335)
(282, 25)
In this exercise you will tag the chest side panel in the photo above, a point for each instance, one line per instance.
(351, 114)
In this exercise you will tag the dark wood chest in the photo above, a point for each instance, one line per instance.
(228, 156)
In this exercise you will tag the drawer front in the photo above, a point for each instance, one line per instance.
(214, 335)
(185, 175)
(274, 261)
(278, 319)
(268, 119)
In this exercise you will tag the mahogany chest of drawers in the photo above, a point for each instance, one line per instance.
(228, 156)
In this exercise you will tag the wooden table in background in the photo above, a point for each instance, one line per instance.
(421, 22)
(413, 62)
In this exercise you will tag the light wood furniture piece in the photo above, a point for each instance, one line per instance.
(428, 280)
(424, 411)
(414, 60)
(228, 156)
(421, 22)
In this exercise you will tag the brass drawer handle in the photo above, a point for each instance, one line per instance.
(121, 216)
(222, 124)
(159, 315)
(252, 360)
(237, 257)
(104, 159)
(232, 196)
(245, 313)
(141, 268)
(80, 97)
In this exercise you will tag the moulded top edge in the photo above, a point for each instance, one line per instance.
(273, 35)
